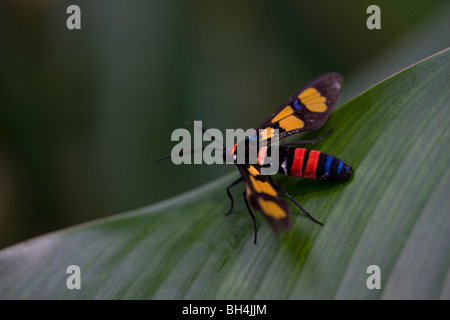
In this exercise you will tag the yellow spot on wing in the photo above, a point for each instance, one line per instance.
(308, 93)
(291, 123)
(262, 187)
(283, 114)
(320, 99)
(313, 100)
(253, 171)
(317, 107)
(266, 133)
(271, 209)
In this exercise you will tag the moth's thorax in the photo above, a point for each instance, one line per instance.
(247, 153)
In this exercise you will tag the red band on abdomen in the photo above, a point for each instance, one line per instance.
(297, 163)
(311, 165)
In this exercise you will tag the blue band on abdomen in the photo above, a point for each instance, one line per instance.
(328, 161)
(341, 164)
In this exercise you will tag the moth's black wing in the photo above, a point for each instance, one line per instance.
(306, 109)
(262, 196)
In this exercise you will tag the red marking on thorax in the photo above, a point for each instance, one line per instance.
(262, 155)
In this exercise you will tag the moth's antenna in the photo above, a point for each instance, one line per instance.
(170, 156)
(194, 150)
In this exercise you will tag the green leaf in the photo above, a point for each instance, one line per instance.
(393, 213)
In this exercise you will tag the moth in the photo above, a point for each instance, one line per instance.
(306, 109)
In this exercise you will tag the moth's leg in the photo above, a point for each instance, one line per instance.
(313, 141)
(293, 200)
(229, 193)
(252, 215)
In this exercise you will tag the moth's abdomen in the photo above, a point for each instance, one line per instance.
(312, 164)
(332, 168)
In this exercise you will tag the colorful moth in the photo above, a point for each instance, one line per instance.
(306, 109)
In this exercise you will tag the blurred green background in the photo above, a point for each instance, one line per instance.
(83, 113)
